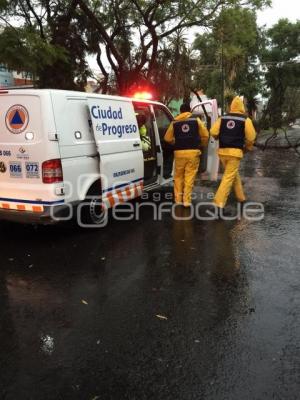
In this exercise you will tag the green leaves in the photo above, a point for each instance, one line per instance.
(23, 49)
(284, 41)
(281, 60)
(134, 41)
(233, 44)
(47, 39)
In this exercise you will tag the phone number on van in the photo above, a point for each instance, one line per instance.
(32, 170)
(5, 153)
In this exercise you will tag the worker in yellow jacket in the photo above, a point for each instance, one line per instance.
(236, 133)
(187, 134)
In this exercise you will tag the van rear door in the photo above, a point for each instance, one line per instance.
(163, 119)
(26, 124)
(119, 146)
(209, 166)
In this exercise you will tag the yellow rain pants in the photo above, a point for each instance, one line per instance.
(230, 178)
(186, 168)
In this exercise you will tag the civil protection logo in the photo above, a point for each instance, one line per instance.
(230, 124)
(185, 128)
(17, 119)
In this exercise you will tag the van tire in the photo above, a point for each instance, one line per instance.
(92, 211)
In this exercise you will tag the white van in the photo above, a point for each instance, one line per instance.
(61, 148)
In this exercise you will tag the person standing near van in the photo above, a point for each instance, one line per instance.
(236, 133)
(145, 139)
(186, 134)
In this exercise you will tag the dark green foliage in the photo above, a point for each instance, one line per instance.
(282, 77)
(234, 45)
(134, 41)
(47, 40)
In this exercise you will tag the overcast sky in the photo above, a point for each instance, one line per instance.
(280, 9)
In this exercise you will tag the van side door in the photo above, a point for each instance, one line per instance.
(209, 166)
(163, 119)
(119, 146)
(145, 121)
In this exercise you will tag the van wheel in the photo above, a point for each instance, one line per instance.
(92, 211)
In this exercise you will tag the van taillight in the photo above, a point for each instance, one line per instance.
(52, 171)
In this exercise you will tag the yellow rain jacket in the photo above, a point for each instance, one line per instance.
(186, 162)
(237, 107)
(203, 133)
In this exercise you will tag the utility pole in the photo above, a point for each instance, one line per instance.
(223, 79)
(222, 69)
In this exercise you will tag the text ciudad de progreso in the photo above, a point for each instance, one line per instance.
(116, 116)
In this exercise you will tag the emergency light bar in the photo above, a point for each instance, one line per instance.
(143, 95)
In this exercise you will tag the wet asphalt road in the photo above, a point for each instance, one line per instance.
(78, 309)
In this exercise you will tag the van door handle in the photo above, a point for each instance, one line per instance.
(136, 144)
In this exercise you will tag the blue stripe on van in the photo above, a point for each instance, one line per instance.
(44, 203)
(122, 185)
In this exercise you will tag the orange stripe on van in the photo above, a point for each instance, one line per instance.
(37, 209)
(21, 207)
(128, 191)
(120, 196)
(136, 192)
(111, 199)
(6, 205)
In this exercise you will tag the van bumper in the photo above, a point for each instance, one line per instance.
(50, 215)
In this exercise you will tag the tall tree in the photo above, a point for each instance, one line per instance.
(230, 52)
(174, 78)
(134, 32)
(45, 38)
(127, 36)
(282, 78)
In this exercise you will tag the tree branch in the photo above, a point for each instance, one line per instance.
(154, 41)
(102, 31)
(108, 55)
(38, 20)
(25, 15)
(103, 83)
